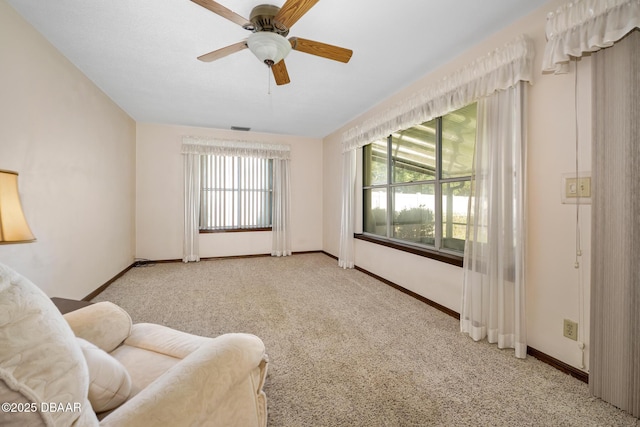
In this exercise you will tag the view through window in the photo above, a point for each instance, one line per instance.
(417, 182)
(236, 193)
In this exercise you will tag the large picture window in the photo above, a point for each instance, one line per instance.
(236, 193)
(417, 182)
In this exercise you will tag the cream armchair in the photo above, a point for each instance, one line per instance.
(94, 367)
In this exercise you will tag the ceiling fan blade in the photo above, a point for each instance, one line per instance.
(221, 53)
(321, 49)
(293, 10)
(280, 73)
(219, 9)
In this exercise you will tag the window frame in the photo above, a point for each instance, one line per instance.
(435, 251)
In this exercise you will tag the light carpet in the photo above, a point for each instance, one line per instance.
(348, 350)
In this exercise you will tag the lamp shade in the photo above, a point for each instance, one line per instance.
(13, 225)
(269, 48)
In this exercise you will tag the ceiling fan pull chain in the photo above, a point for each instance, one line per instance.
(268, 80)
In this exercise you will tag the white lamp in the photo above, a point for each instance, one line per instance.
(268, 47)
(13, 225)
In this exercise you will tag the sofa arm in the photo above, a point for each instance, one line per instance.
(104, 324)
(218, 384)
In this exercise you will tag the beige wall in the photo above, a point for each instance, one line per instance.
(75, 152)
(553, 283)
(160, 195)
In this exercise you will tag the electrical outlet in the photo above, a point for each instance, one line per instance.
(571, 329)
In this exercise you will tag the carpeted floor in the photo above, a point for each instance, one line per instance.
(348, 350)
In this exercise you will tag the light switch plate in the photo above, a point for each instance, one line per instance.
(576, 188)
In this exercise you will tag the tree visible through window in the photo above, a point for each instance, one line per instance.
(236, 193)
(417, 182)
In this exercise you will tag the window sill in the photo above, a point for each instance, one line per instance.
(435, 255)
(235, 230)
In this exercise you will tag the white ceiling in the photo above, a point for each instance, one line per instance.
(143, 53)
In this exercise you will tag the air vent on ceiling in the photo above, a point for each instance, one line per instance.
(242, 128)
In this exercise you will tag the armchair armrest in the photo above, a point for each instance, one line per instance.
(218, 384)
(104, 324)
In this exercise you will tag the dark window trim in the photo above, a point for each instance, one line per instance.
(427, 253)
(235, 230)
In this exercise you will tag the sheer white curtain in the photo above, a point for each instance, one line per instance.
(498, 70)
(191, 249)
(346, 259)
(281, 218)
(493, 293)
(194, 147)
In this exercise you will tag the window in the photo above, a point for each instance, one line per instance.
(236, 193)
(417, 182)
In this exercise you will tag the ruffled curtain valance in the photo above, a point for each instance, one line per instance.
(586, 26)
(498, 70)
(215, 146)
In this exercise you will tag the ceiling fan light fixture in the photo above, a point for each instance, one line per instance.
(268, 47)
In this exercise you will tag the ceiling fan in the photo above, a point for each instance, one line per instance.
(269, 26)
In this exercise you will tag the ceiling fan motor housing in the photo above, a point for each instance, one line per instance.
(262, 18)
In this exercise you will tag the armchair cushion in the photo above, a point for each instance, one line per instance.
(109, 381)
(104, 324)
(164, 340)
